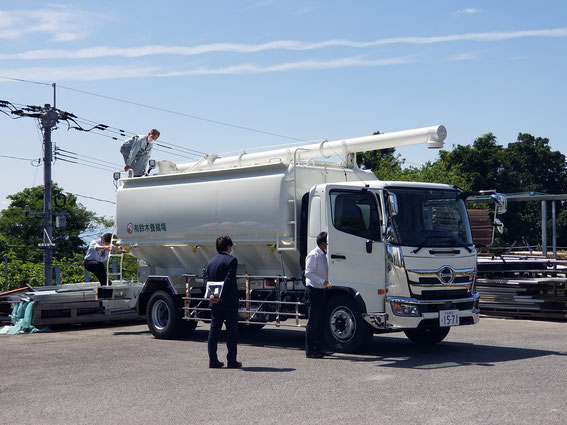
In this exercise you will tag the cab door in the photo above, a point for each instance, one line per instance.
(356, 252)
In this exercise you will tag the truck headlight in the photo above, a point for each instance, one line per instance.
(405, 309)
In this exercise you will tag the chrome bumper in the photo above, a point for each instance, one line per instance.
(391, 321)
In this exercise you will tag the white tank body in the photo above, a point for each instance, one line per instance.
(173, 220)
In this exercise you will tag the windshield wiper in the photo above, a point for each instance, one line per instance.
(425, 240)
(450, 238)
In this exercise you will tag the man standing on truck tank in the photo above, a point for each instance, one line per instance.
(136, 152)
(222, 268)
(316, 285)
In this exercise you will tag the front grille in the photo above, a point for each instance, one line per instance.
(442, 294)
(435, 280)
(435, 308)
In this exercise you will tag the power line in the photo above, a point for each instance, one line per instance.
(161, 109)
(24, 81)
(181, 114)
(124, 133)
(121, 132)
(85, 165)
(16, 157)
(176, 154)
(102, 127)
(81, 156)
(91, 197)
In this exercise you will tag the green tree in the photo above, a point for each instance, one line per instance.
(527, 165)
(531, 166)
(21, 234)
(478, 166)
(383, 162)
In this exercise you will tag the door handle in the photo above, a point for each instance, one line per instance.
(339, 256)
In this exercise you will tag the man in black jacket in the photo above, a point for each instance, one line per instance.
(225, 308)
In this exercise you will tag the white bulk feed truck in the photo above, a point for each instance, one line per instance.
(400, 254)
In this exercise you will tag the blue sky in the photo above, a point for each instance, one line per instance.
(223, 76)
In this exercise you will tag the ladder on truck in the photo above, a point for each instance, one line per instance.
(112, 275)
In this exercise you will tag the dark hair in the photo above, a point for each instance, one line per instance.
(321, 237)
(107, 237)
(223, 242)
(154, 131)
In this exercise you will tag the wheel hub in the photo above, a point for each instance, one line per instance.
(160, 315)
(343, 325)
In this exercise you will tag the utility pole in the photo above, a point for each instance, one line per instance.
(49, 117)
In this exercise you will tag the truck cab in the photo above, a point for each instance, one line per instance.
(405, 253)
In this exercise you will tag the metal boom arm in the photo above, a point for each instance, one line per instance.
(432, 136)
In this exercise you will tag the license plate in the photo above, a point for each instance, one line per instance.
(449, 318)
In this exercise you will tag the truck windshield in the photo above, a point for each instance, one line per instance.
(430, 218)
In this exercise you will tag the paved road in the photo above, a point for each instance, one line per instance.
(498, 372)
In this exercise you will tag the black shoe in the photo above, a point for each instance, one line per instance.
(315, 355)
(216, 365)
(234, 365)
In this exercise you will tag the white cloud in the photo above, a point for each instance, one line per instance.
(471, 11)
(78, 73)
(291, 45)
(20, 23)
(89, 73)
(290, 66)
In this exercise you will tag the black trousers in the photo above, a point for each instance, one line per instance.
(98, 269)
(316, 301)
(228, 315)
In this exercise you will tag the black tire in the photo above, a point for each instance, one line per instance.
(165, 317)
(427, 336)
(345, 330)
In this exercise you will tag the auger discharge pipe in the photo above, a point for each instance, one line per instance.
(432, 136)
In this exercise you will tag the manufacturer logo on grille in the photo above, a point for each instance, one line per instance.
(446, 275)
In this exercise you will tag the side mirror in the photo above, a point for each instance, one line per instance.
(501, 202)
(393, 204)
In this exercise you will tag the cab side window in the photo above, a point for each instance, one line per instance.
(356, 213)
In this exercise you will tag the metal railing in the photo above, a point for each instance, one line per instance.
(250, 310)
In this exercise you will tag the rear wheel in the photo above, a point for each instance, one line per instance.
(164, 317)
(427, 336)
(346, 331)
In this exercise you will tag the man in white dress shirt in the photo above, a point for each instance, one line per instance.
(316, 285)
(97, 254)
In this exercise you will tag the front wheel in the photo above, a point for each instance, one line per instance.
(345, 330)
(427, 336)
(164, 317)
